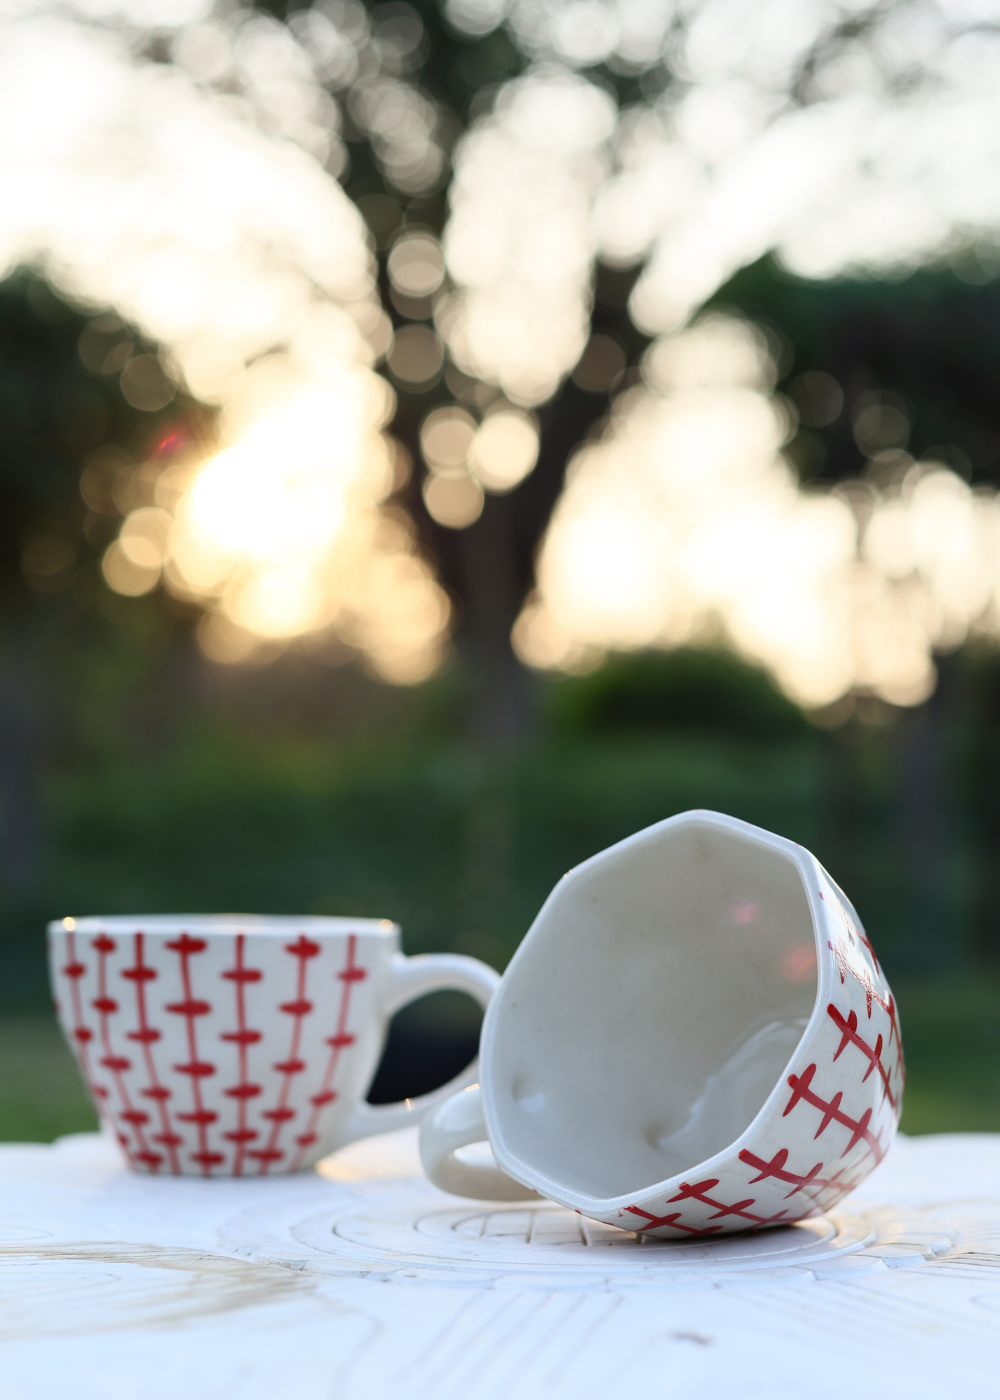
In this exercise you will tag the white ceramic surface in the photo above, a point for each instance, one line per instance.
(241, 1045)
(694, 1037)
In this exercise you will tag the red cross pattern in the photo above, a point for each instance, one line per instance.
(699, 1192)
(192, 1008)
(146, 1036)
(303, 949)
(811, 1182)
(819, 1138)
(195, 1048)
(340, 1041)
(242, 1037)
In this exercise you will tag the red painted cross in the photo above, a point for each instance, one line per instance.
(303, 947)
(140, 973)
(340, 1041)
(145, 1035)
(699, 1192)
(243, 1091)
(800, 1086)
(185, 944)
(776, 1168)
(849, 1036)
(673, 1220)
(302, 1007)
(190, 1007)
(207, 1159)
(243, 1037)
(197, 1069)
(243, 974)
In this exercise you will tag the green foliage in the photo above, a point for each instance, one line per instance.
(53, 411)
(951, 1038)
(930, 340)
(460, 845)
(41, 1093)
(685, 690)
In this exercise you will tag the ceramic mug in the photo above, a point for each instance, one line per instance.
(694, 1037)
(236, 1045)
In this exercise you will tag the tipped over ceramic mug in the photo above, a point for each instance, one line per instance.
(241, 1045)
(694, 1037)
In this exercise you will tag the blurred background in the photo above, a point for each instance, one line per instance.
(438, 439)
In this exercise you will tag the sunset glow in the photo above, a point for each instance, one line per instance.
(685, 525)
(196, 199)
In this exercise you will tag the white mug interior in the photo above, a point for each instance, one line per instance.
(652, 1010)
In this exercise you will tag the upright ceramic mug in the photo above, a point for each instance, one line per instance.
(241, 1045)
(695, 1036)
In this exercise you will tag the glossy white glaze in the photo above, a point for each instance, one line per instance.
(240, 1045)
(694, 1037)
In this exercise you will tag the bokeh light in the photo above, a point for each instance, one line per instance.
(416, 264)
(504, 449)
(685, 524)
(193, 204)
(453, 499)
(282, 529)
(416, 357)
(141, 189)
(518, 243)
(446, 436)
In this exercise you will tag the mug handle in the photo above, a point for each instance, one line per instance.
(459, 1122)
(409, 979)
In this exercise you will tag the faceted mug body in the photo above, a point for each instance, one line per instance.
(239, 1045)
(694, 1037)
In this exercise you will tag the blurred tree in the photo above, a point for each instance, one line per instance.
(449, 75)
(875, 369)
(877, 340)
(58, 418)
(489, 566)
(872, 366)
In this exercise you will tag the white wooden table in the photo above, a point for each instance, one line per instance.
(364, 1283)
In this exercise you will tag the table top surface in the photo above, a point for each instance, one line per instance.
(363, 1280)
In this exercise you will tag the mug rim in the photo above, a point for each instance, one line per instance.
(251, 925)
(806, 865)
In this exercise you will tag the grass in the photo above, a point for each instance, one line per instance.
(951, 1035)
(41, 1093)
(951, 1039)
